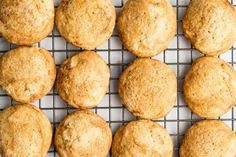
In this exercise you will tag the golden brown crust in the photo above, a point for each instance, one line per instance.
(142, 138)
(147, 26)
(209, 138)
(210, 87)
(86, 23)
(24, 22)
(27, 73)
(148, 88)
(210, 25)
(25, 131)
(83, 133)
(83, 80)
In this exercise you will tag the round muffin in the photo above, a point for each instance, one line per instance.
(209, 138)
(24, 22)
(83, 133)
(210, 87)
(27, 73)
(210, 26)
(148, 88)
(85, 23)
(24, 131)
(147, 26)
(142, 138)
(83, 79)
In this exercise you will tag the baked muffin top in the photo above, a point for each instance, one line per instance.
(148, 88)
(83, 133)
(209, 138)
(210, 25)
(147, 26)
(85, 23)
(27, 73)
(24, 22)
(142, 138)
(83, 80)
(24, 131)
(210, 87)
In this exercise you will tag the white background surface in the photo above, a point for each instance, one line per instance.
(178, 56)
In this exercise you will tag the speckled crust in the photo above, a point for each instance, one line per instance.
(142, 138)
(209, 138)
(147, 26)
(85, 23)
(83, 80)
(83, 133)
(25, 131)
(24, 22)
(27, 73)
(210, 25)
(210, 87)
(148, 88)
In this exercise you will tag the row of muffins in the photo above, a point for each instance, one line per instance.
(147, 87)
(26, 131)
(145, 27)
(209, 86)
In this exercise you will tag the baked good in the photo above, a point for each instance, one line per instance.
(210, 25)
(83, 133)
(142, 138)
(24, 22)
(27, 73)
(148, 88)
(209, 138)
(83, 79)
(85, 23)
(147, 26)
(25, 131)
(210, 87)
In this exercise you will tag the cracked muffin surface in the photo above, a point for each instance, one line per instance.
(210, 87)
(83, 133)
(27, 73)
(209, 138)
(210, 25)
(146, 26)
(148, 88)
(83, 80)
(142, 138)
(24, 22)
(25, 131)
(86, 23)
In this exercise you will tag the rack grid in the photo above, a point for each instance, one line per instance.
(179, 55)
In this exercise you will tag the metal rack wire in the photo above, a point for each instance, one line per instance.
(179, 56)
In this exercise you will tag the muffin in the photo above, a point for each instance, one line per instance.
(142, 138)
(24, 22)
(27, 73)
(83, 133)
(148, 88)
(25, 131)
(147, 26)
(210, 87)
(210, 26)
(83, 79)
(209, 138)
(85, 23)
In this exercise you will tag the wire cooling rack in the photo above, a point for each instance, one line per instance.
(179, 56)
